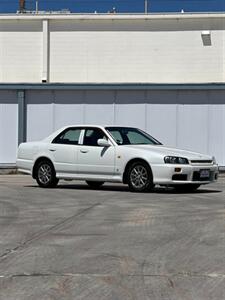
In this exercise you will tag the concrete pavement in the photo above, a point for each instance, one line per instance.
(73, 242)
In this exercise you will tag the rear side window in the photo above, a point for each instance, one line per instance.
(69, 136)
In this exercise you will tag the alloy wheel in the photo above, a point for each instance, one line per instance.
(45, 174)
(139, 176)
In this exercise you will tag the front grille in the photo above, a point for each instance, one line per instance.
(197, 161)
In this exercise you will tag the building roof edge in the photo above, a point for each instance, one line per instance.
(106, 86)
(107, 16)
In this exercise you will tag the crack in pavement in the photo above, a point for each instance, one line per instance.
(179, 274)
(42, 233)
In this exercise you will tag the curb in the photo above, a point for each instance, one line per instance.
(8, 171)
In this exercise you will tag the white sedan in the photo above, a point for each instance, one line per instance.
(99, 154)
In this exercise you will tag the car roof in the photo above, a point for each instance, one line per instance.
(95, 125)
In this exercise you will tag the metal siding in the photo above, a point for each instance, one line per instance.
(99, 114)
(130, 96)
(67, 114)
(130, 108)
(40, 115)
(68, 108)
(99, 108)
(8, 127)
(130, 115)
(192, 127)
(222, 161)
(217, 132)
(172, 117)
(162, 122)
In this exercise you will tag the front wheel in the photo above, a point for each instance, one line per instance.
(186, 187)
(95, 184)
(45, 175)
(140, 177)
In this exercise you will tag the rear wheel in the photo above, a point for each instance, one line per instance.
(45, 175)
(95, 184)
(140, 177)
(186, 187)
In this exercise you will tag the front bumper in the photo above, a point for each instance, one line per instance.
(189, 174)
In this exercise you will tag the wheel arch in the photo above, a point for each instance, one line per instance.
(129, 163)
(38, 160)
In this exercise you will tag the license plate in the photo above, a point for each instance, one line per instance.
(204, 174)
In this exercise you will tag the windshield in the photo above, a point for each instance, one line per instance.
(131, 136)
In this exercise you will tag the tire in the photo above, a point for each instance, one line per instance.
(186, 187)
(140, 177)
(95, 184)
(45, 175)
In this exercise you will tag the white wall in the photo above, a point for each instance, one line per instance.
(165, 50)
(133, 56)
(173, 117)
(8, 127)
(170, 116)
(20, 51)
(109, 49)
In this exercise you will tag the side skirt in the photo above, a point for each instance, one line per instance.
(90, 177)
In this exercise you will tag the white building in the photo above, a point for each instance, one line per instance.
(162, 73)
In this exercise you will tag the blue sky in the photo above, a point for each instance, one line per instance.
(121, 5)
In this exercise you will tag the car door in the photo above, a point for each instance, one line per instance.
(94, 159)
(64, 150)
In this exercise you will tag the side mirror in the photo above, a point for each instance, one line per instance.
(103, 143)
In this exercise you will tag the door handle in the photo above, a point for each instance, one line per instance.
(52, 150)
(84, 151)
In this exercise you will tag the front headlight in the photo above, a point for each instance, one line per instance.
(176, 160)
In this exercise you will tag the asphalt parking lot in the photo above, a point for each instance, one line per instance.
(73, 242)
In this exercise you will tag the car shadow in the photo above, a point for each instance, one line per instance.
(169, 190)
(124, 188)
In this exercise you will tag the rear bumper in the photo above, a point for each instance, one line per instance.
(189, 174)
(24, 166)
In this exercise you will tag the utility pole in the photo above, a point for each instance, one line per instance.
(22, 6)
(36, 9)
(146, 6)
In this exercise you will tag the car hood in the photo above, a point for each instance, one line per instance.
(167, 151)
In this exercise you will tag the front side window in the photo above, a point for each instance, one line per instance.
(131, 136)
(68, 136)
(92, 135)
